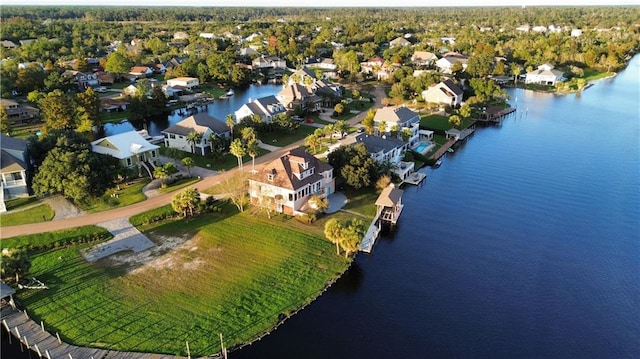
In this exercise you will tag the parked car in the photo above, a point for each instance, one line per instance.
(309, 120)
(101, 89)
(297, 118)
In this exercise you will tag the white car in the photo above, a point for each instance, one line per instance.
(101, 89)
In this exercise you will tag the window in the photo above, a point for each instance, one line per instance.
(270, 177)
(153, 154)
(172, 136)
(129, 162)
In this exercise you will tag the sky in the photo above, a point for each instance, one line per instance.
(322, 3)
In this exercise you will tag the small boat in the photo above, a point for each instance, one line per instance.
(437, 164)
(230, 92)
(450, 150)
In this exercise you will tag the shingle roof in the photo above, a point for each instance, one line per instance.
(9, 163)
(198, 123)
(287, 165)
(397, 114)
(389, 196)
(12, 143)
(452, 87)
(376, 143)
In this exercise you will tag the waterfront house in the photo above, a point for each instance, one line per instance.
(265, 107)
(17, 114)
(130, 148)
(176, 136)
(13, 169)
(387, 150)
(296, 96)
(445, 92)
(287, 183)
(184, 82)
(266, 62)
(544, 75)
(401, 117)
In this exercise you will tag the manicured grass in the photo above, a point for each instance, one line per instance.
(361, 201)
(439, 123)
(238, 276)
(116, 116)
(20, 202)
(120, 196)
(42, 241)
(212, 90)
(181, 183)
(281, 139)
(591, 75)
(226, 162)
(40, 213)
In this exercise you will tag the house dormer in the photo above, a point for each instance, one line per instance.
(271, 175)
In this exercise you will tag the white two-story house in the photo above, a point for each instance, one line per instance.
(400, 116)
(177, 136)
(265, 107)
(286, 184)
(13, 169)
(387, 150)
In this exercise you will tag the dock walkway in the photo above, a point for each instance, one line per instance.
(372, 234)
(35, 338)
(443, 149)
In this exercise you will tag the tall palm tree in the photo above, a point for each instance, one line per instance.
(230, 121)
(248, 134)
(237, 149)
(193, 138)
(252, 150)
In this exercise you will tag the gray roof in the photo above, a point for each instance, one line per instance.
(197, 123)
(12, 143)
(453, 87)
(399, 114)
(376, 144)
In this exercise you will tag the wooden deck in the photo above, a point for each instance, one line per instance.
(34, 337)
(443, 149)
(370, 237)
(415, 178)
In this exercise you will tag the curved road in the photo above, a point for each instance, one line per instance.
(158, 201)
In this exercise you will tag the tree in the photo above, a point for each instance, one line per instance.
(14, 262)
(165, 171)
(186, 201)
(367, 121)
(252, 150)
(464, 111)
(332, 230)
(319, 203)
(354, 165)
(194, 138)
(118, 64)
(57, 111)
(351, 235)
(382, 127)
(235, 189)
(248, 134)
(230, 121)
(355, 94)
(406, 134)
(189, 163)
(237, 149)
(88, 109)
(71, 169)
(455, 121)
(5, 126)
(312, 141)
(338, 109)
(383, 182)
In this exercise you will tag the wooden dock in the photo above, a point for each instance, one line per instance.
(372, 234)
(34, 337)
(443, 149)
(415, 178)
(496, 114)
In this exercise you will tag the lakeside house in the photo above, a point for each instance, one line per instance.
(133, 150)
(445, 64)
(13, 169)
(387, 150)
(399, 116)
(389, 204)
(445, 92)
(184, 82)
(177, 136)
(266, 107)
(287, 183)
(544, 75)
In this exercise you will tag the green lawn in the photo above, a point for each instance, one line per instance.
(181, 183)
(362, 201)
(282, 139)
(439, 123)
(116, 116)
(40, 213)
(119, 196)
(55, 239)
(226, 162)
(239, 275)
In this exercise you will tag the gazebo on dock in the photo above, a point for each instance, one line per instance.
(389, 204)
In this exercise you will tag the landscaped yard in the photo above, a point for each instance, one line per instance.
(239, 275)
(38, 212)
(120, 196)
(439, 123)
(226, 162)
(281, 139)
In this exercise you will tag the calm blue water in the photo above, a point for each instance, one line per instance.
(525, 243)
(218, 109)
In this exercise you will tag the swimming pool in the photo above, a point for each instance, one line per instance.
(423, 147)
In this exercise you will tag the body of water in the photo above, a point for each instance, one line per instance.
(525, 243)
(218, 109)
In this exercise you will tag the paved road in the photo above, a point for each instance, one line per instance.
(160, 200)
